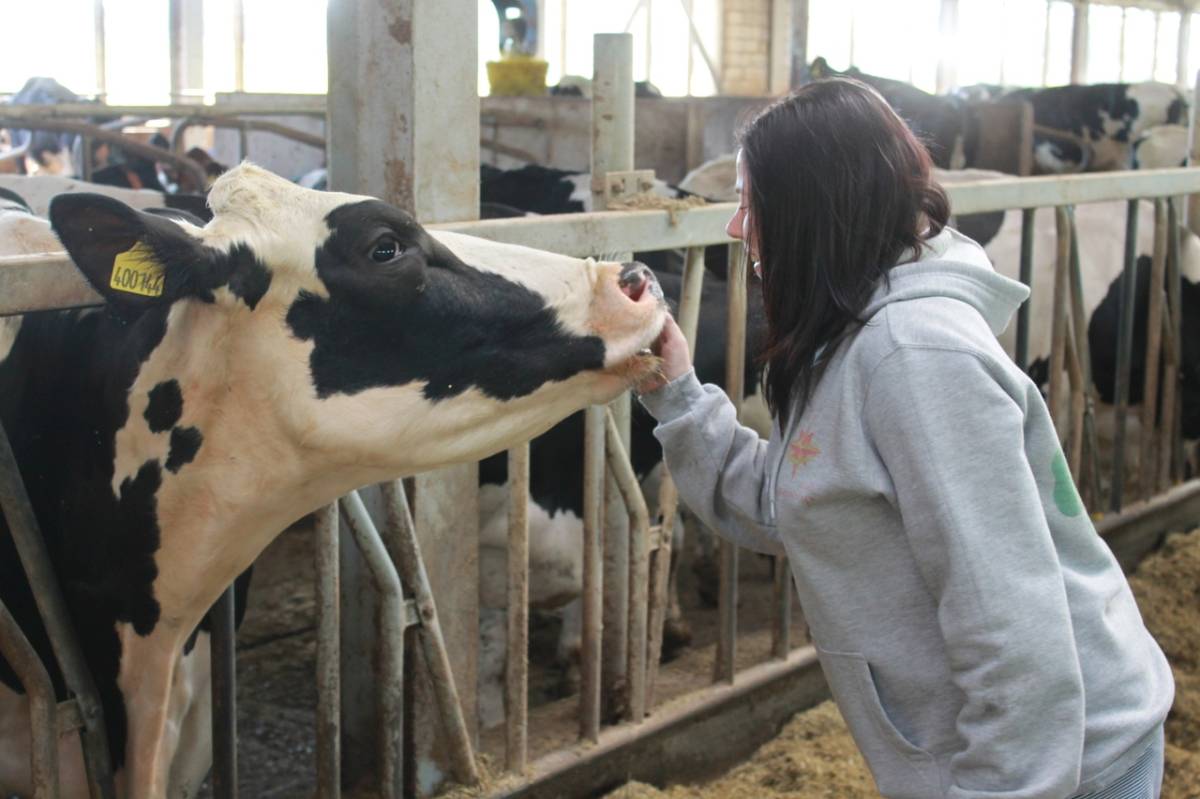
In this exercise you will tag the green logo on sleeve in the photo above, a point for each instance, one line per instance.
(1066, 497)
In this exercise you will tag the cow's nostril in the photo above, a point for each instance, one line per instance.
(634, 279)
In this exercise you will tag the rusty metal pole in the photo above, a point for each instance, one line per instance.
(1124, 353)
(43, 708)
(329, 691)
(593, 573)
(1058, 335)
(1147, 462)
(516, 670)
(735, 355)
(223, 656)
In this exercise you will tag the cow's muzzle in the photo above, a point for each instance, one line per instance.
(636, 279)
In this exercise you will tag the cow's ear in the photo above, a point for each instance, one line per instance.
(131, 258)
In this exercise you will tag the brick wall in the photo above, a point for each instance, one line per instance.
(746, 47)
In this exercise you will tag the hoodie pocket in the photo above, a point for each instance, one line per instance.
(901, 768)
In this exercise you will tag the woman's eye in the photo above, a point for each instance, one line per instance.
(386, 249)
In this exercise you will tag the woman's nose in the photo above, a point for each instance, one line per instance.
(734, 227)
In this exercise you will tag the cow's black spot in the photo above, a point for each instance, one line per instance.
(426, 316)
(248, 278)
(185, 443)
(63, 395)
(165, 406)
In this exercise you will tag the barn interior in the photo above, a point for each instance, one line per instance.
(552, 621)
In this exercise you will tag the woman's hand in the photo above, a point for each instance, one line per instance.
(672, 348)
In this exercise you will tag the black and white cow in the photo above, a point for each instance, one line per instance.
(556, 504)
(241, 375)
(1110, 117)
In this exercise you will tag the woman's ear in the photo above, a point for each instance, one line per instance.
(133, 259)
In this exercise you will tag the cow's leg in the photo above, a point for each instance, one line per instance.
(493, 649)
(192, 703)
(147, 682)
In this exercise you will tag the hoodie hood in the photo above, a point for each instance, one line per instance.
(952, 265)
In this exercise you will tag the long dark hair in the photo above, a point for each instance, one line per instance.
(840, 188)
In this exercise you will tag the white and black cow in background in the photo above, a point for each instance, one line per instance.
(241, 375)
(1110, 117)
(556, 506)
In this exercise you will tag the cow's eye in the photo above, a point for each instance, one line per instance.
(385, 249)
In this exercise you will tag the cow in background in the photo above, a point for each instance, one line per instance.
(241, 375)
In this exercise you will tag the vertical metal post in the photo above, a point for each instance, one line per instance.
(1026, 276)
(593, 572)
(329, 690)
(1058, 335)
(1147, 462)
(101, 58)
(735, 354)
(1172, 438)
(223, 655)
(1046, 44)
(398, 151)
(1124, 352)
(1079, 43)
(517, 665)
(35, 559)
(239, 46)
(612, 151)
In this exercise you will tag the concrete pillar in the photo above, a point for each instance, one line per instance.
(404, 127)
(186, 25)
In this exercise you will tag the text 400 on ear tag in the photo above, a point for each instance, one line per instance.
(137, 271)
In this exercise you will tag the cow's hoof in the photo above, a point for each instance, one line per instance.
(677, 635)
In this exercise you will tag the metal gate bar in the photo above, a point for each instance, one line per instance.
(1021, 356)
(43, 709)
(223, 656)
(1155, 315)
(639, 567)
(593, 575)
(725, 665)
(35, 559)
(1124, 354)
(516, 672)
(329, 683)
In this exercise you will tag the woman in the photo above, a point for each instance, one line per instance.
(978, 636)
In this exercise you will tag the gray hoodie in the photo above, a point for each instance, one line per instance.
(977, 634)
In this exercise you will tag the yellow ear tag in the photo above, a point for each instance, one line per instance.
(137, 271)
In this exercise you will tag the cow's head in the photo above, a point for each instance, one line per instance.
(334, 328)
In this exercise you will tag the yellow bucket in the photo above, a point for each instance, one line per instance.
(517, 76)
